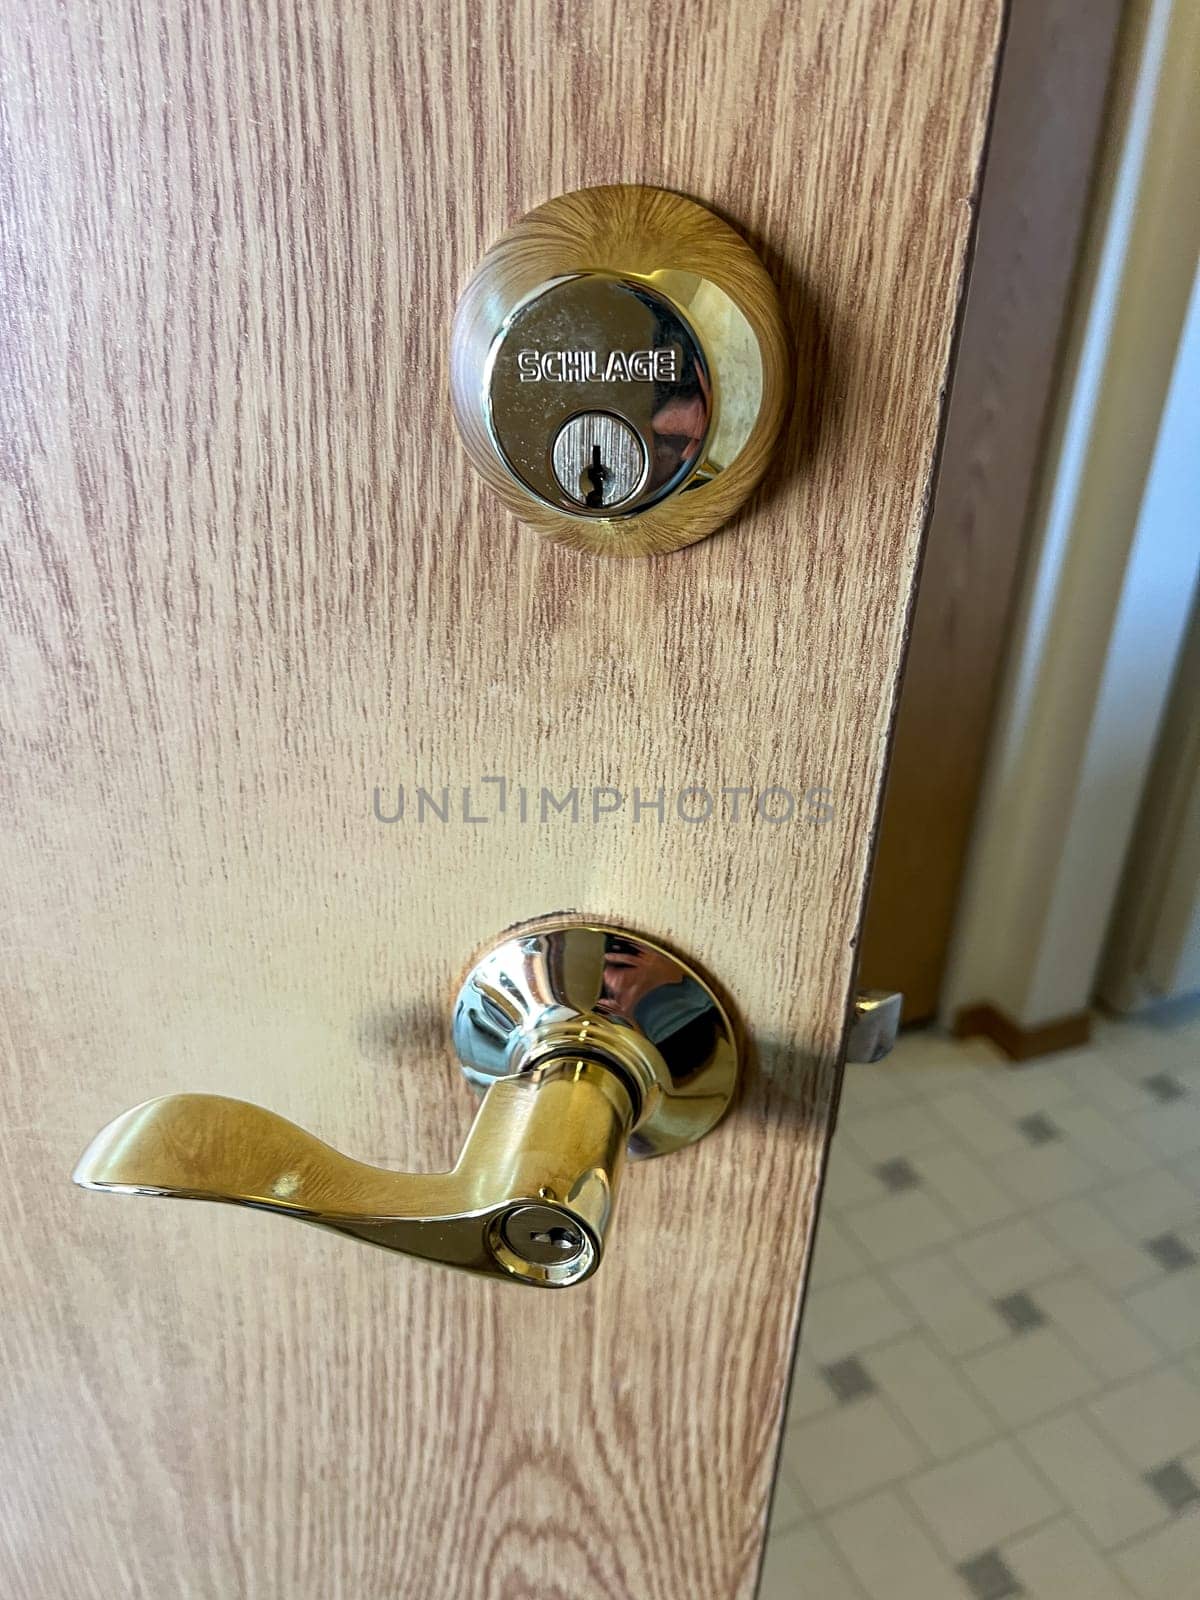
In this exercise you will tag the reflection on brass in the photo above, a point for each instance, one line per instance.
(588, 1043)
(636, 304)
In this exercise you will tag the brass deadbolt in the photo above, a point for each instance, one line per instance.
(619, 371)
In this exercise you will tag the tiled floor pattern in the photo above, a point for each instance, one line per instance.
(998, 1386)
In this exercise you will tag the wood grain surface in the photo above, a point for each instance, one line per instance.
(247, 578)
(1049, 115)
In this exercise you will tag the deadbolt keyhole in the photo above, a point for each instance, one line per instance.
(594, 478)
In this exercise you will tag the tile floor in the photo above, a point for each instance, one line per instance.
(997, 1391)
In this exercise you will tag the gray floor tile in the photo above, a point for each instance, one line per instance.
(988, 1577)
(1021, 1312)
(1174, 1485)
(1038, 1128)
(897, 1174)
(1164, 1087)
(848, 1379)
(1171, 1252)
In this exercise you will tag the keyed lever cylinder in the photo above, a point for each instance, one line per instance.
(588, 1043)
(619, 371)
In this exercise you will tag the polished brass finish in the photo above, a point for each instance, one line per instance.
(632, 303)
(588, 1041)
(589, 345)
(558, 1132)
(588, 989)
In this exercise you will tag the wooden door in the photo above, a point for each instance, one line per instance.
(247, 577)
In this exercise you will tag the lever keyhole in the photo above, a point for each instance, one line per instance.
(596, 473)
(561, 1239)
(541, 1235)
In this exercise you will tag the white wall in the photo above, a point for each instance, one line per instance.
(1154, 942)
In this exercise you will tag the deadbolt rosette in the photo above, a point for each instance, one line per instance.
(706, 388)
(606, 995)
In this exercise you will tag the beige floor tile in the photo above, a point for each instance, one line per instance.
(955, 1310)
(1103, 1138)
(1146, 1205)
(851, 1316)
(978, 1501)
(978, 1123)
(1036, 1086)
(849, 1451)
(1016, 1255)
(939, 1051)
(1170, 1309)
(789, 1507)
(1029, 1375)
(1045, 1173)
(1187, 1170)
(804, 1565)
(964, 1187)
(1136, 1047)
(1181, 1052)
(1057, 1562)
(836, 1255)
(1094, 1241)
(865, 1509)
(900, 1131)
(926, 1063)
(809, 1394)
(1106, 1493)
(890, 1553)
(903, 1225)
(1151, 1419)
(1172, 1131)
(1098, 1326)
(923, 1386)
(1164, 1565)
(848, 1179)
(871, 1087)
(1098, 1083)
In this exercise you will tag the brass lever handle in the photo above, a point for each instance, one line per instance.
(204, 1147)
(586, 1040)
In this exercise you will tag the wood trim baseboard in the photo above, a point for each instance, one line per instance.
(1018, 1043)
